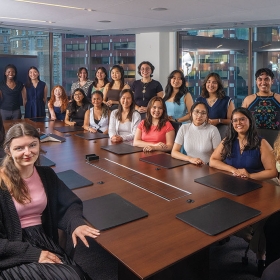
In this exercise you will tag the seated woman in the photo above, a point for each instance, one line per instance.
(243, 152)
(34, 203)
(155, 133)
(124, 120)
(2, 137)
(199, 138)
(77, 108)
(97, 118)
(58, 103)
(177, 99)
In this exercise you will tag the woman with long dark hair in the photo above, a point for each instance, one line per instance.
(124, 120)
(34, 203)
(213, 95)
(77, 108)
(99, 82)
(199, 138)
(11, 94)
(112, 90)
(34, 95)
(155, 133)
(177, 99)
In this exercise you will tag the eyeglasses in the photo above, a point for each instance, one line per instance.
(201, 113)
(78, 94)
(243, 119)
(145, 69)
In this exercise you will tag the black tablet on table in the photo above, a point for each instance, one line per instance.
(73, 180)
(217, 216)
(111, 210)
(228, 183)
(164, 161)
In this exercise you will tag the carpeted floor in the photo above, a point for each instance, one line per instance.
(225, 261)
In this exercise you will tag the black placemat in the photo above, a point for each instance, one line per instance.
(228, 183)
(45, 161)
(92, 136)
(64, 129)
(41, 119)
(73, 180)
(122, 149)
(111, 210)
(164, 161)
(217, 216)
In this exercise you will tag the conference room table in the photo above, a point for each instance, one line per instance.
(159, 246)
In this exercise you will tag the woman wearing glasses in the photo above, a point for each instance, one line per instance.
(146, 88)
(77, 108)
(242, 152)
(198, 138)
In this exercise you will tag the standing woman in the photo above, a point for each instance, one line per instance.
(34, 95)
(219, 105)
(11, 94)
(77, 108)
(124, 120)
(112, 90)
(155, 133)
(58, 103)
(83, 81)
(146, 88)
(177, 99)
(100, 81)
(199, 138)
(34, 203)
(97, 118)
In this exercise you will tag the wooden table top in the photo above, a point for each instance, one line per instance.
(151, 244)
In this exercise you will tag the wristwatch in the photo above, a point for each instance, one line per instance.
(220, 121)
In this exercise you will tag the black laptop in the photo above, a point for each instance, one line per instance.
(217, 216)
(111, 210)
(164, 161)
(228, 183)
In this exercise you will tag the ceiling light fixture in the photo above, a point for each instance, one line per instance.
(159, 9)
(55, 5)
(26, 19)
(104, 21)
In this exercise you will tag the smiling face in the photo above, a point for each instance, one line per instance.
(25, 151)
(33, 74)
(96, 100)
(156, 110)
(57, 92)
(116, 74)
(145, 70)
(199, 115)
(83, 75)
(212, 85)
(264, 83)
(240, 123)
(126, 100)
(100, 75)
(78, 96)
(176, 81)
(10, 73)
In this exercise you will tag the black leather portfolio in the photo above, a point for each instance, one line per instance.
(92, 136)
(45, 161)
(122, 149)
(65, 129)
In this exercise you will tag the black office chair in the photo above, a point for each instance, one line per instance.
(176, 126)
(223, 128)
(269, 135)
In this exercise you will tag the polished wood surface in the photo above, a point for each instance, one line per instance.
(149, 245)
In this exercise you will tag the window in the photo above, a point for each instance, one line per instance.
(124, 46)
(39, 43)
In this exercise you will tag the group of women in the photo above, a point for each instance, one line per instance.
(34, 203)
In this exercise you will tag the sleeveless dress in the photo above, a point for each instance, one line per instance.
(35, 105)
(266, 111)
(113, 94)
(176, 111)
(59, 116)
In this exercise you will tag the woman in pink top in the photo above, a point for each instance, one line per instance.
(34, 203)
(155, 133)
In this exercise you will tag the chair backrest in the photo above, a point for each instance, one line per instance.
(176, 126)
(223, 128)
(269, 135)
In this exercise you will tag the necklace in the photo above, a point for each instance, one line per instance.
(144, 88)
(211, 102)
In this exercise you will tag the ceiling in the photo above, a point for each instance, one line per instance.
(136, 16)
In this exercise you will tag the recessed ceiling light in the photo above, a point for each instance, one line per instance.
(55, 5)
(26, 19)
(159, 9)
(104, 21)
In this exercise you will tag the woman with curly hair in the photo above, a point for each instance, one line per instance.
(213, 95)
(75, 112)
(58, 103)
(155, 133)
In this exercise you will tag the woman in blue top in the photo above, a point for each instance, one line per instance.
(34, 95)
(242, 152)
(219, 105)
(177, 99)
